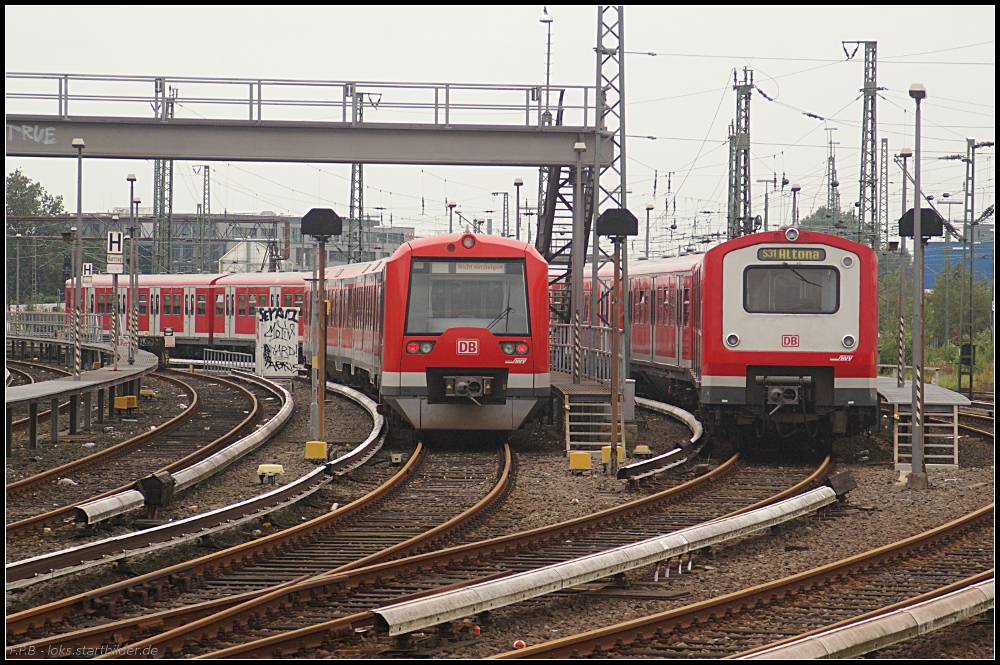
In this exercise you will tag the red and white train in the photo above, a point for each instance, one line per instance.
(451, 331)
(776, 330)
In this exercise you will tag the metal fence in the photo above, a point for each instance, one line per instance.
(55, 325)
(595, 352)
(224, 362)
(289, 99)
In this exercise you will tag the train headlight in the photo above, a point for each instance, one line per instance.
(849, 341)
(792, 234)
(847, 261)
(426, 347)
(514, 348)
(468, 242)
(733, 340)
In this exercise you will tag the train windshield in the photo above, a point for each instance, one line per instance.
(467, 294)
(791, 290)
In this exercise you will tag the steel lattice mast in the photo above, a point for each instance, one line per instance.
(741, 221)
(868, 218)
(355, 234)
(163, 188)
(609, 180)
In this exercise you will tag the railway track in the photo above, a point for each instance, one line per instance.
(839, 593)
(432, 494)
(18, 377)
(220, 412)
(324, 615)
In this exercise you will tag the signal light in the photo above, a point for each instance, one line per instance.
(522, 349)
(412, 347)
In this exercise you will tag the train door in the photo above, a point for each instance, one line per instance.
(154, 311)
(347, 318)
(641, 318)
(684, 319)
(229, 311)
(202, 314)
(143, 310)
(664, 336)
(189, 309)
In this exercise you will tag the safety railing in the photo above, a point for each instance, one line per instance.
(174, 97)
(225, 362)
(934, 373)
(595, 352)
(54, 325)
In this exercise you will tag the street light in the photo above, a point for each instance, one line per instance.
(517, 204)
(451, 211)
(796, 188)
(78, 254)
(133, 284)
(918, 477)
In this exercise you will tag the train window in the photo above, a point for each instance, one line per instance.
(288, 300)
(479, 294)
(298, 302)
(177, 304)
(202, 299)
(142, 304)
(687, 307)
(791, 290)
(156, 304)
(252, 310)
(100, 303)
(220, 304)
(243, 305)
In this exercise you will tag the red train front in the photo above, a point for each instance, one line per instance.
(777, 331)
(453, 330)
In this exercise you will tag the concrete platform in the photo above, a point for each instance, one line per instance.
(933, 395)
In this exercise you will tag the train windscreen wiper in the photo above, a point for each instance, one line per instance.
(499, 316)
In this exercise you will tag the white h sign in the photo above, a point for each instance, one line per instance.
(116, 242)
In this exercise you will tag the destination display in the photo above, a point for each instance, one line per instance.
(790, 254)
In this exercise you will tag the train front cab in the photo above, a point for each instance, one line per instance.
(790, 346)
(469, 334)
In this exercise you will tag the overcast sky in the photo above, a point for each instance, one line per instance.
(682, 96)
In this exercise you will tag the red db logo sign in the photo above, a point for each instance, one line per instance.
(468, 347)
(789, 340)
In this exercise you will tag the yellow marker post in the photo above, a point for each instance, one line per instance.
(316, 450)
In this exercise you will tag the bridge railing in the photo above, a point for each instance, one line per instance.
(55, 325)
(595, 352)
(225, 362)
(289, 99)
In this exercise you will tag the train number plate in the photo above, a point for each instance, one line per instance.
(468, 347)
(790, 340)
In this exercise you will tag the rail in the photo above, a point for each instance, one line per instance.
(595, 352)
(256, 100)
(226, 362)
(55, 325)
(892, 370)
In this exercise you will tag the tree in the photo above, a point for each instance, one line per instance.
(41, 258)
(26, 197)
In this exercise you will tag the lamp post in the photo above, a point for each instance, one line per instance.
(796, 188)
(451, 216)
(133, 279)
(78, 258)
(649, 209)
(905, 153)
(577, 250)
(517, 205)
(918, 477)
(17, 282)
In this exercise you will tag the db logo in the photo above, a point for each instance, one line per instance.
(468, 347)
(789, 340)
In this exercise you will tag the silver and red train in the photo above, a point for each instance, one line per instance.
(776, 330)
(451, 331)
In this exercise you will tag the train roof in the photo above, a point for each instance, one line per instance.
(205, 279)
